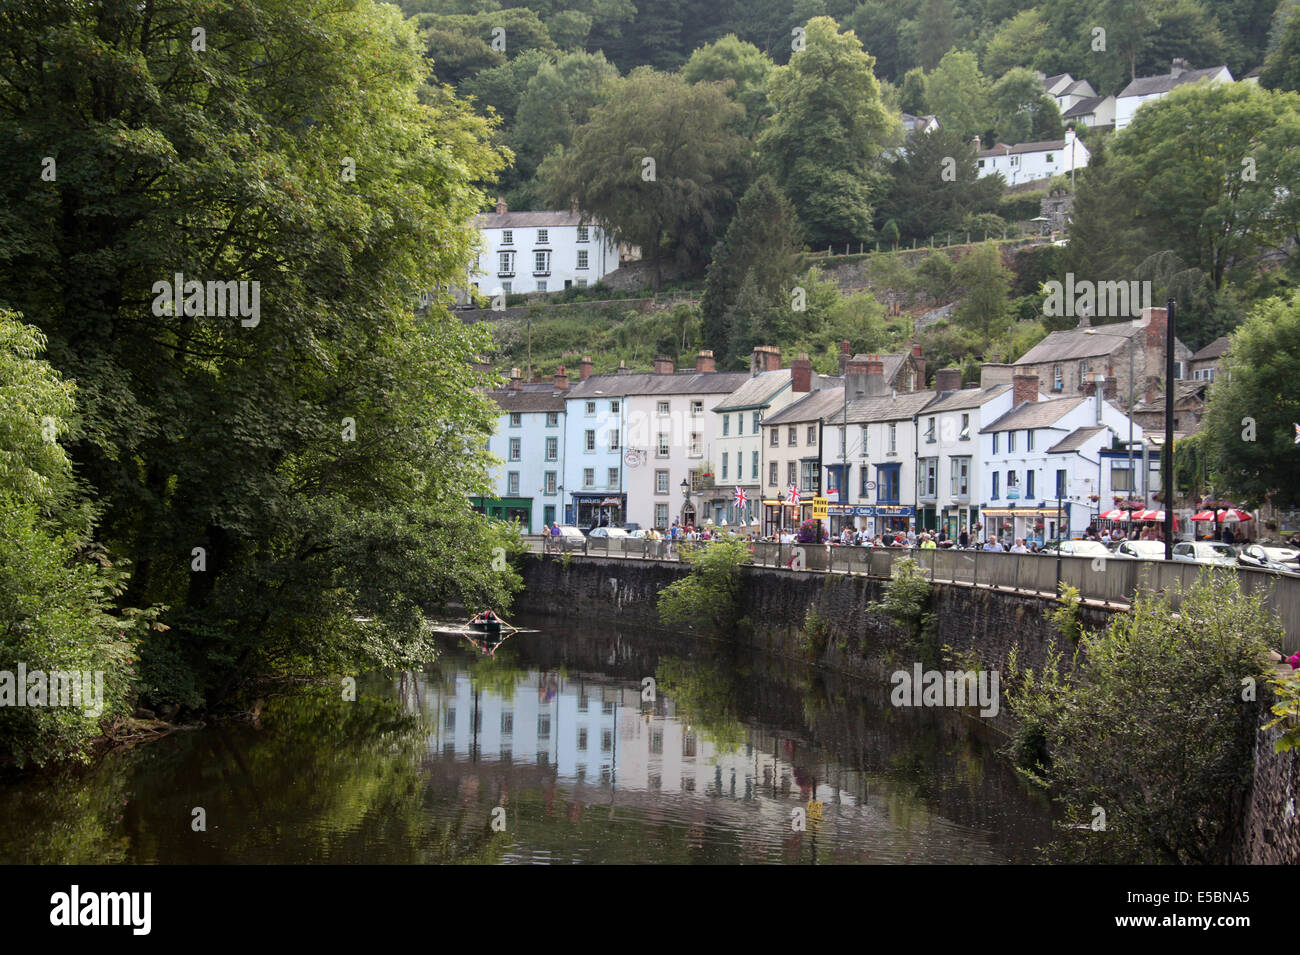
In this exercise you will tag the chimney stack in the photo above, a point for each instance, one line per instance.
(622, 368)
(561, 379)
(663, 365)
(516, 381)
(855, 377)
(947, 379)
(1153, 320)
(801, 375)
(704, 363)
(918, 359)
(1178, 67)
(1023, 388)
(995, 373)
(584, 368)
(845, 354)
(875, 376)
(501, 206)
(764, 358)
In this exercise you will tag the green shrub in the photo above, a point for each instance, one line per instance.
(709, 597)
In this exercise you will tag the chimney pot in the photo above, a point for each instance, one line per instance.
(663, 365)
(947, 379)
(584, 367)
(1023, 388)
(704, 363)
(765, 358)
(501, 206)
(801, 375)
(561, 379)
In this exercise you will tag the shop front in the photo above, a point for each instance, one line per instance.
(508, 509)
(876, 519)
(957, 519)
(1034, 524)
(597, 510)
(779, 514)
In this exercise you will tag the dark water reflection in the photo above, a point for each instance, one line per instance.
(554, 732)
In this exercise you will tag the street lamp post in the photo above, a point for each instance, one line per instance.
(780, 512)
(686, 500)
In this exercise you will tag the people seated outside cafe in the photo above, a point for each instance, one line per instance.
(1019, 547)
(927, 542)
(993, 544)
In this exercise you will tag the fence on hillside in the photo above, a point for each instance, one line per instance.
(1111, 581)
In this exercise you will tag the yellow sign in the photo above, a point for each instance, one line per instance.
(821, 506)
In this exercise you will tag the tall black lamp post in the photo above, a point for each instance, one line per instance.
(1167, 455)
(686, 499)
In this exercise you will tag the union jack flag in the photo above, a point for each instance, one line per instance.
(741, 498)
(794, 494)
(1297, 434)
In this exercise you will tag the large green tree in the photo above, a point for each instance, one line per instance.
(985, 283)
(958, 93)
(652, 164)
(1282, 68)
(745, 66)
(935, 184)
(290, 480)
(1254, 408)
(1022, 111)
(827, 133)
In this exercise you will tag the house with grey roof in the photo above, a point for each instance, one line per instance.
(792, 454)
(1095, 112)
(1041, 463)
(1144, 89)
(541, 251)
(1030, 162)
(1204, 365)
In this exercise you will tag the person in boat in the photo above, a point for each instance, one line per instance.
(487, 616)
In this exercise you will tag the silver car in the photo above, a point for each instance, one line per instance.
(1076, 548)
(1141, 550)
(1215, 553)
(1270, 557)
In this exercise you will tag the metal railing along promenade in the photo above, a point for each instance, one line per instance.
(1109, 582)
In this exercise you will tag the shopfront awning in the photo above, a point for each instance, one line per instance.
(1024, 511)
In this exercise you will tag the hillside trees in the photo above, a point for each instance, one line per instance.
(826, 135)
(290, 480)
(935, 184)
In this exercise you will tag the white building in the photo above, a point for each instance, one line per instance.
(594, 428)
(1067, 91)
(1147, 88)
(792, 454)
(525, 252)
(529, 442)
(1095, 112)
(1041, 463)
(1029, 162)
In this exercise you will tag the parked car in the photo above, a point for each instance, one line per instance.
(571, 538)
(1270, 557)
(608, 533)
(1076, 548)
(1141, 550)
(632, 527)
(1206, 552)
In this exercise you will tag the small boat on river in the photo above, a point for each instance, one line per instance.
(485, 630)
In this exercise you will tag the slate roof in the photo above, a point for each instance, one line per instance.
(1002, 149)
(1035, 414)
(1216, 349)
(547, 399)
(1149, 85)
(1184, 390)
(1075, 343)
(648, 383)
(1052, 81)
(966, 398)
(888, 407)
(812, 407)
(757, 392)
(527, 220)
(1084, 107)
(1076, 439)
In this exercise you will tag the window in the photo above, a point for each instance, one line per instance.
(507, 724)
(512, 484)
(1057, 381)
(959, 483)
(662, 409)
(724, 465)
(887, 482)
(1029, 486)
(589, 437)
(771, 473)
(1029, 440)
(755, 427)
(697, 445)
(541, 263)
(965, 428)
(792, 436)
(661, 445)
(508, 237)
(582, 258)
(753, 468)
(612, 480)
(591, 407)
(844, 441)
(588, 477)
(550, 482)
(775, 435)
(661, 482)
(791, 473)
(995, 442)
(450, 722)
(996, 485)
(505, 263)
(606, 740)
(1013, 484)
(726, 425)
(927, 477)
(613, 439)
(1060, 484)
(864, 441)
(543, 236)
(740, 423)
(661, 515)
(580, 283)
(1121, 478)
(552, 419)
(516, 419)
(514, 449)
(697, 408)
(893, 438)
(929, 433)
(1049, 157)
(506, 288)
(613, 407)
(1011, 442)
(582, 738)
(544, 726)
(810, 479)
(541, 285)
(812, 435)
(584, 234)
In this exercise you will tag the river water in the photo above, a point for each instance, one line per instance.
(598, 746)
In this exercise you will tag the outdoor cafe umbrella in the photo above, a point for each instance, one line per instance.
(1152, 515)
(1223, 516)
(1117, 514)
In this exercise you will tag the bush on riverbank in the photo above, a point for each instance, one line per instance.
(1156, 729)
(709, 598)
(908, 599)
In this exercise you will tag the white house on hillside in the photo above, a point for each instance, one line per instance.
(539, 252)
(1028, 162)
(1146, 88)
(1066, 90)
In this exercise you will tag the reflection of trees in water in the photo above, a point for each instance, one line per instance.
(707, 697)
(73, 817)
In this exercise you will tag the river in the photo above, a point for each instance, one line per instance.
(596, 746)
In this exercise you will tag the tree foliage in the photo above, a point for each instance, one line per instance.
(708, 597)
